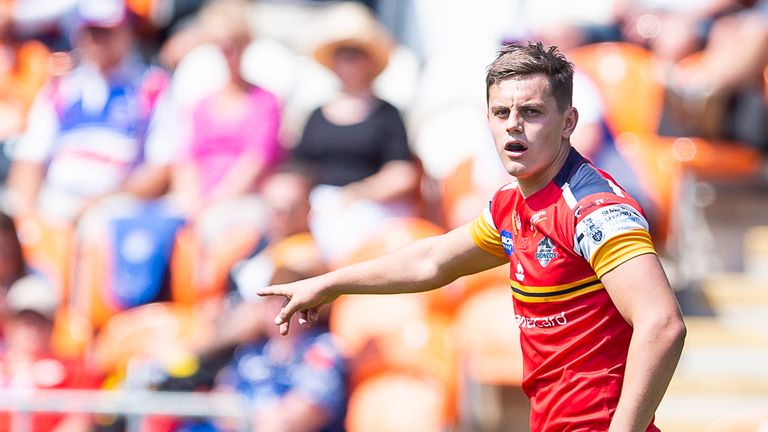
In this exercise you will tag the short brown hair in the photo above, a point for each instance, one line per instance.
(520, 59)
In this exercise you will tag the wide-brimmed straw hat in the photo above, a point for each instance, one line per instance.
(350, 24)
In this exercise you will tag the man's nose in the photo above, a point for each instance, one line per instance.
(514, 124)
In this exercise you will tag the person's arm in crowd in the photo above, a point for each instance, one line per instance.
(24, 181)
(641, 292)
(30, 154)
(395, 180)
(241, 178)
(148, 181)
(421, 266)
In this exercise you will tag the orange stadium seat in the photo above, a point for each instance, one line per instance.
(89, 296)
(355, 320)
(157, 331)
(48, 246)
(456, 188)
(200, 271)
(422, 348)
(488, 337)
(395, 402)
(628, 77)
(72, 334)
(395, 234)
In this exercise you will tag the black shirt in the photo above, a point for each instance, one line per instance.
(345, 154)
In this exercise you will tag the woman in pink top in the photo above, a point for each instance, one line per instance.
(233, 138)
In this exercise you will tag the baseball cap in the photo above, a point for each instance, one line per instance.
(101, 13)
(33, 293)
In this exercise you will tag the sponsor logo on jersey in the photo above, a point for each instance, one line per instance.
(518, 224)
(581, 209)
(507, 242)
(538, 217)
(541, 322)
(594, 231)
(545, 251)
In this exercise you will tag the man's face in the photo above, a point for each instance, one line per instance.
(287, 197)
(106, 47)
(529, 130)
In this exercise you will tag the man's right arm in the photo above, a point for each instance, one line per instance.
(421, 266)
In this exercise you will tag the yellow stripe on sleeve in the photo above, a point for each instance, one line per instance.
(620, 249)
(486, 237)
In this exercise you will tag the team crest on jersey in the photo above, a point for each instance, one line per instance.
(507, 242)
(545, 251)
(594, 231)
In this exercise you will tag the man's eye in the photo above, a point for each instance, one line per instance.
(530, 111)
(501, 113)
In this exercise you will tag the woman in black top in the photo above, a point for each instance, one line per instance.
(356, 142)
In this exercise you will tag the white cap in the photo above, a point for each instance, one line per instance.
(101, 13)
(33, 293)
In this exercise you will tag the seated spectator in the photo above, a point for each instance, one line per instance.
(304, 389)
(87, 129)
(296, 383)
(287, 249)
(93, 153)
(231, 139)
(357, 142)
(28, 324)
(722, 94)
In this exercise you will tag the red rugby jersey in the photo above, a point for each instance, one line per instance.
(559, 242)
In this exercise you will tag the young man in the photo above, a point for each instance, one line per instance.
(600, 328)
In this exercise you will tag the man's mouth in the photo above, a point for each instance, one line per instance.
(515, 147)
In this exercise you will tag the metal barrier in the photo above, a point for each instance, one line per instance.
(134, 405)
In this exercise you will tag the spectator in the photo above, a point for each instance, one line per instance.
(86, 130)
(286, 249)
(233, 135)
(93, 154)
(306, 385)
(27, 352)
(357, 142)
(296, 383)
(722, 94)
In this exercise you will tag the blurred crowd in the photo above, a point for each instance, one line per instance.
(162, 159)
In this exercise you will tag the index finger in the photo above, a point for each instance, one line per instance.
(272, 290)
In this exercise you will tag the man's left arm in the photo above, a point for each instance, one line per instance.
(641, 292)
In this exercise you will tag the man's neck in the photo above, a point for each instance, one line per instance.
(529, 186)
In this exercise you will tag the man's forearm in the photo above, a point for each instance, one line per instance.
(405, 271)
(652, 358)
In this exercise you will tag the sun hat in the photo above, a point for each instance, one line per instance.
(33, 293)
(349, 24)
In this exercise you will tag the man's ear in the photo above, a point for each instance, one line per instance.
(571, 119)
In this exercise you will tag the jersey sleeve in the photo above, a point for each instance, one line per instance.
(485, 234)
(610, 232)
